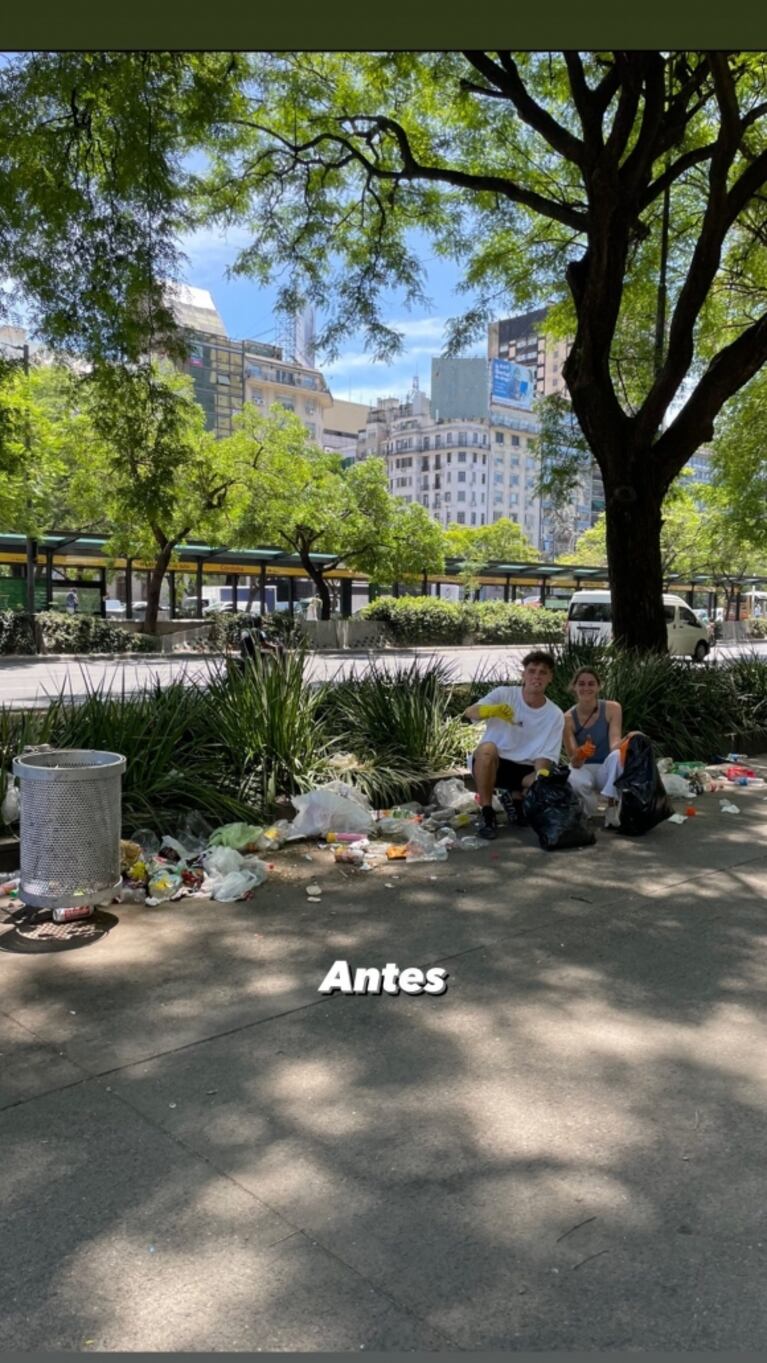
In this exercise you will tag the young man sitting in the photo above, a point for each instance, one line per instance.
(523, 734)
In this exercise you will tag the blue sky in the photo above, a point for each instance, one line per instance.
(246, 308)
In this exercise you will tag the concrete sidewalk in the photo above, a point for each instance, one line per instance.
(565, 1151)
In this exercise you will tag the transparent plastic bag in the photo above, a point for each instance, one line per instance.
(323, 811)
(222, 861)
(423, 846)
(452, 794)
(396, 830)
(147, 841)
(238, 884)
(163, 885)
(10, 809)
(675, 785)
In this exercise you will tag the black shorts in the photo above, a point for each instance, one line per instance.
(510, 774)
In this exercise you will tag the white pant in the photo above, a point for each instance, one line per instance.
(596, 778)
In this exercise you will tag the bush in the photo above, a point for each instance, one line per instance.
(757, 627)
(265, 719)
(63, 633)
(688, 710)
(429, 620)
(419, 619)
(500, 622)
(16, 633)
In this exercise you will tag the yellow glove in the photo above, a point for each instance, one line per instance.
(502, 711)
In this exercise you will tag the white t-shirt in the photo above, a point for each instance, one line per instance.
(536, 732)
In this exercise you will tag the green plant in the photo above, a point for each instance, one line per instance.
(16, 633)
(265, 720)
(687, 710)
(419, 619)
(399, 726)
(174, 763)
(64, 633)
(757, 627)
(18, 729)
(500, 622)
(748, 673)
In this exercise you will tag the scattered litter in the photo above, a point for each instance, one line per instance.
(677, 818)
(172, 1104)
(691, 811)
(241, 837)
(335, 808)
(314, 890)
(727, 807)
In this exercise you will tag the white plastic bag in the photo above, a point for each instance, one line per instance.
(346, 791)
(423, 846)
(237, 884)
(221, 861)
(452, 794)
(325, 811)
(10, 808)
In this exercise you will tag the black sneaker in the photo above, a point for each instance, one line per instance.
(488, 826)
(488, 831)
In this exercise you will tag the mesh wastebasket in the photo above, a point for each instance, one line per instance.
(70, 826)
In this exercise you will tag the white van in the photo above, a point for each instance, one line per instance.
(590, 614)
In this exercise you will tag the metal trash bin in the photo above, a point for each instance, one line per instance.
(70, 826)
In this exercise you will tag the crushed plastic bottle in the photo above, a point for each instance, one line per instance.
(423, 846)
(470, 844)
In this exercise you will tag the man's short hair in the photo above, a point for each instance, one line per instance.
(539, 655)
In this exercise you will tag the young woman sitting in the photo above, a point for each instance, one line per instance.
(592, 740)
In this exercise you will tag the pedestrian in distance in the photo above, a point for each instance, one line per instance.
(523, 736)
(72, 602)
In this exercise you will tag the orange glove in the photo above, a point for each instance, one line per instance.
(586, 750)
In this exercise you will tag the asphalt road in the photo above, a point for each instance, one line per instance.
(31, 682)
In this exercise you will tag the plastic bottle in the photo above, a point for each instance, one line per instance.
(345, 837)
(68, 915)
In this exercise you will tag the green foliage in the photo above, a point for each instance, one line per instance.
(175, 762)
(419, 619)
(499, 622)
(757, 628)
(264, 718)
(19, 729)
(429, 620)
(16, 633)
(398, 725)
(64, 633)
(688, 710)
(96, 187)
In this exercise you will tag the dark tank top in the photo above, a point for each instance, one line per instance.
(598, 732)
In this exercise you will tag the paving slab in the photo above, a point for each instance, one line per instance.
(122, 1238)
(563, 1151)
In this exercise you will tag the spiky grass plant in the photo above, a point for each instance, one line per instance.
(399, 725)
(174, 764)
(265, 720)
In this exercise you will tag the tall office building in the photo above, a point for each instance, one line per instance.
(226, 373)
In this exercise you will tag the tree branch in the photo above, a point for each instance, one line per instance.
(507, 78)
(728, 372)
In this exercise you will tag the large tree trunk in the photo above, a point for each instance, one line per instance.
(633, 525)
(154, 587)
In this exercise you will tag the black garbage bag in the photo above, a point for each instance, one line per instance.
(555, 812)
(644, 802)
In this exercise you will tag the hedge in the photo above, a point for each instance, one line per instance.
(429, 620)
(70, 634)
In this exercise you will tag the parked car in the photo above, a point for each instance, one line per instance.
(115, 610)
(589, 621)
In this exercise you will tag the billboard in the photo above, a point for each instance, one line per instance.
(511, 385)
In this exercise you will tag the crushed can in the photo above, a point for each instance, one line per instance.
(70, 914)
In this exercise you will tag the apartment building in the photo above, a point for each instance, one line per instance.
(225, 372)
(343, 422)
(471, 470)
(522, 340)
